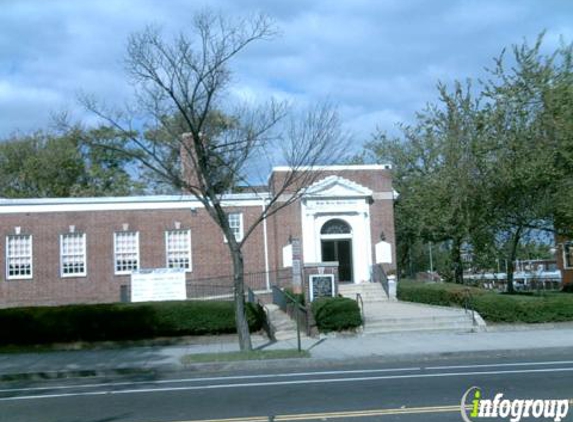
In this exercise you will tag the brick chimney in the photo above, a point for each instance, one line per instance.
(188, 171)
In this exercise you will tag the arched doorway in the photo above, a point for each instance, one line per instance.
(336, 245)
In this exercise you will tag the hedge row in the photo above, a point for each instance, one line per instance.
(492, 306)
(39, 325)
(336, 314)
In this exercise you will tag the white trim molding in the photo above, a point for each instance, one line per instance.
(161, 202)
(336, 167)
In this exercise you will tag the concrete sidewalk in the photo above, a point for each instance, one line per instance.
(328, 349)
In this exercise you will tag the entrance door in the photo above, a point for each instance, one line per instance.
(339, 250)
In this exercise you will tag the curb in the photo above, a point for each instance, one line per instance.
(83, 373)
(280, 364)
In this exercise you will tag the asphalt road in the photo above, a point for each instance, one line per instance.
(405, 391)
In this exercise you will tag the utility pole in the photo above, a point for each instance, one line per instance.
(431, 259)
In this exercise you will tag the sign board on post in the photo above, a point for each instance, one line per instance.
(383, 253)
(158, 284)
(287, 256)
(321, 285)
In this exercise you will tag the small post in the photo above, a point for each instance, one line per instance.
(431, 260)
(296, 265)
(298, 327)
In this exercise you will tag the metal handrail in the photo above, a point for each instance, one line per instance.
(253, 298)
(361, 306)
(379, 276)
(468, 305)
(284, 298)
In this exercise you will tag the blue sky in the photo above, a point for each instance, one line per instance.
(379, 61)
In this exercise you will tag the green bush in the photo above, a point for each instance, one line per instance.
(38, 325)
(567, 288)
(336, 314)
(492, 306)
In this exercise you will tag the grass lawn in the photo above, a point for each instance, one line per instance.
(492, 306)
(238, 356)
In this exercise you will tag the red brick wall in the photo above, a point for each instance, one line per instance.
(209, 253)
(566, 274)
(210, 256)
(281, 226)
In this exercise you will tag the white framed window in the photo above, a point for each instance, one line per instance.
(19, 256)
(73, 255)
(178, 249)
(126, 252)
(236, 224)
(568, 255)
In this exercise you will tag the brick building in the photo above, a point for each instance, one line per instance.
(565, 259)
(82, 250)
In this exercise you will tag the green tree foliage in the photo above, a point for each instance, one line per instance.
(44, 165)
(486, 174)
(437, 175)
(528, 150)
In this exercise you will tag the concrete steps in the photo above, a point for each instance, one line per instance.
(370, 292)
(394, 317)
(282, 326)
(382, 315)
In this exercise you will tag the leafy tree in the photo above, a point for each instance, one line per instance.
(436, 172)
(43, 165)
(487, 177)
(529, 160)
(38, 166)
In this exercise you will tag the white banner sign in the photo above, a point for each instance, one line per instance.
(383, 253)
(287, 256)
(158, 284)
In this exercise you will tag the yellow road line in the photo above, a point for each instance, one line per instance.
(338, 415)
(364, 413)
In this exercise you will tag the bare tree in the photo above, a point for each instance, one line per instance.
(189, 133)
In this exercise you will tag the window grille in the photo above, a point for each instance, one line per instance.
(126, 250)
(335, 226)
(73, 254)
(19, 256)
(178, 249)
(236, 224)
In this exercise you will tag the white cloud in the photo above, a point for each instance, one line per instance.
(379, 61)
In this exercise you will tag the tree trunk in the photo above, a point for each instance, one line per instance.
(240, 309)
(512, 255)
(457, 261)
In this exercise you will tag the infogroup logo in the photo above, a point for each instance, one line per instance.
(515, 410)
